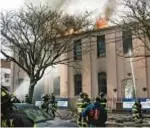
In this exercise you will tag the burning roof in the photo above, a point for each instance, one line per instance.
(101, 23)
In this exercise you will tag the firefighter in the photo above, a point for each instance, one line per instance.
(103, 100)
(45, 103)
(97, 115)
(86, 102)
(53, 99)
(136, 112)
(9, 117)
(80, 107)
(53, 104)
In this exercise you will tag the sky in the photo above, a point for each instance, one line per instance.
(71, 6)
(11, 4)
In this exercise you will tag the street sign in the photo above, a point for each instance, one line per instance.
(62, 102)
(128, 103)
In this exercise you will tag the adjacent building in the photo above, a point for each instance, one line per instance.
(5, 72)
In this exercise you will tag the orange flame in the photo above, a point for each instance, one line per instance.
(101, 23)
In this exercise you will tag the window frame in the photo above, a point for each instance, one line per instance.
(101, 38)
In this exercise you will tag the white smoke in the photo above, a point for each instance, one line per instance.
(74, 6)
(54, 4)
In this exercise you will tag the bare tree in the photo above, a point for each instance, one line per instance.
(40, 38)
(136, 18)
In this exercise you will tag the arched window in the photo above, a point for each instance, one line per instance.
(102, 82)
(128, 88)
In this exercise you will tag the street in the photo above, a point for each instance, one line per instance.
(114, 119)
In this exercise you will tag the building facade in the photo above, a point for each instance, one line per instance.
(111, 66)
(108, 67)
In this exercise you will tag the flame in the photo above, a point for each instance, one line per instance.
(71, 31)
(101, 23)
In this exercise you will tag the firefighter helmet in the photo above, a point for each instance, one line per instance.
(85, 94)
(45, 96)
(81, 94)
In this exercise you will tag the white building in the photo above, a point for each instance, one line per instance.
(5, 74)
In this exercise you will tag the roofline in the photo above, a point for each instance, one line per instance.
(86, 32)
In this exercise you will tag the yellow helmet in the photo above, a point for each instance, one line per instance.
(81, 94)
(86, 95)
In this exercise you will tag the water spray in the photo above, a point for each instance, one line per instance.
(132, 70)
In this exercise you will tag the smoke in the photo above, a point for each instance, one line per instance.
(53, 4)
(110, 8)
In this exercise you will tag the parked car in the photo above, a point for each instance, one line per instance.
(41, 118)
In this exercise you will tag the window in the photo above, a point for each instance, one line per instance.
(78, 83)
(127, 41)
(102, 82)
(7, 81)
(77, 50)
(21, 61)
(101, 49)
(56, 85)
(6, 75)
(20, 80)
(128, 87)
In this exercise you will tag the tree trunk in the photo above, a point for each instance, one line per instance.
(31, 91)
